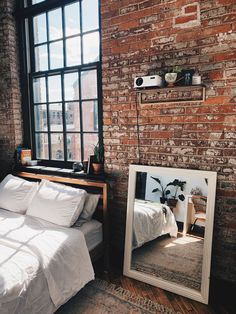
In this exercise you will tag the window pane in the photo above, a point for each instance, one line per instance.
(72, 116)
(39, 87)
(89, 84)
(90, 140)
(90, 15)
(72, 19)
(55, 113)
(41, 145)
(71, 86)
(90, 115)
(91, 47)
(40, 29)
(40, 118)
(56, 55)
(55, 24)
(73, 147)
(73, 51)
(41, 58)
(57, 146)
(54, 88)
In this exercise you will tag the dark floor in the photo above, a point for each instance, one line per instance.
(219, 304)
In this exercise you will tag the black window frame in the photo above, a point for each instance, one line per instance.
(24, 17)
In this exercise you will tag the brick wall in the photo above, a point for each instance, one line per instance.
(140, 38)
(10, 100)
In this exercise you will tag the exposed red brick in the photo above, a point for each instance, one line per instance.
(190, 9)
(142, 41)
(185, 18)
(10, 97)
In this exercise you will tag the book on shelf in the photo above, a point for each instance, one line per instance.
(25, 156)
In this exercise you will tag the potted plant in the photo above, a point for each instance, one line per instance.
(171, 75)
(164, 192)
(172, 201)
(97, 163)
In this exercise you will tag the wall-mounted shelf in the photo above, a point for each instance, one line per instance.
(173, 94)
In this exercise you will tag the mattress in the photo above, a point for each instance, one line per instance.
(92, 231)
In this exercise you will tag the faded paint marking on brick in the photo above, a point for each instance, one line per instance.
(189, 16)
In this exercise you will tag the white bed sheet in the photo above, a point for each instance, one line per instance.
(152, 220)
(42, 265)
(92, 231)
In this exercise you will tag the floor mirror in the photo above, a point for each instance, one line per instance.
(169, 228)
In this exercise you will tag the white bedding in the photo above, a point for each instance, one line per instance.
(92, 231)
(152, 220)
(42, 265)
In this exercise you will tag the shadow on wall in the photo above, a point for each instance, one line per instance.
(6, 158)
(5, 168)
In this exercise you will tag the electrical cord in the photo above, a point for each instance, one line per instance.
(137, 126)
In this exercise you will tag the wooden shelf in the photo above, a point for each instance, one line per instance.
(175, 94)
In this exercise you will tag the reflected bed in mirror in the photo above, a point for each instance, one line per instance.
(169, 228)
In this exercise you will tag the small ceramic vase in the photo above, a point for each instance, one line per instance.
(170, 78)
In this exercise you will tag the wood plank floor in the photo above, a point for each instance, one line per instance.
(171, 300)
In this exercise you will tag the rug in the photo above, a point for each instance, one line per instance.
(176, 260)
(101, 297)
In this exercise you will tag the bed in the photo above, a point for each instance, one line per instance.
(42, 264)
(152, 220)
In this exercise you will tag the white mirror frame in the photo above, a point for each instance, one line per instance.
(203, 295)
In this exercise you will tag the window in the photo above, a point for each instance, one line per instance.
(64, 75)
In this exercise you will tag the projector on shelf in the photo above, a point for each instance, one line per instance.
(148, 81)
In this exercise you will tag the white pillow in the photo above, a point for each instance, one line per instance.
(16, 193)
(90, 206)
(57, 203)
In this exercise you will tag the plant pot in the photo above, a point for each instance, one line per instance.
(163, 200)
(97, 168)
(172, 202)
(170, 78)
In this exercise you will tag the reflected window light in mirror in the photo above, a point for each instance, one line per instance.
(37, 1)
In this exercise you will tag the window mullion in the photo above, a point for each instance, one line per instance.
(81, 119)
(62, 86)
(64, 118)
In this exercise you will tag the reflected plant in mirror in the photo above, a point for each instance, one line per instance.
(164, 191)
(168, 244)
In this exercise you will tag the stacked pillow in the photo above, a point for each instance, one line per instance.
(16, 194)
(57, 203)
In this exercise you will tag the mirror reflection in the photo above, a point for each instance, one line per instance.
(169, 218)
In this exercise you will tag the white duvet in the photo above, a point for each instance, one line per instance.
(42, 265)
(152, 220)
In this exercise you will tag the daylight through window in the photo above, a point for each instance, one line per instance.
(65, 75)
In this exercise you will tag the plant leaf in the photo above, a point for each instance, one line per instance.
(155, 190)
(181, 197)
(156, 179)
(167, 192)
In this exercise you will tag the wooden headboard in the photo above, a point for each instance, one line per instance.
(95, 187)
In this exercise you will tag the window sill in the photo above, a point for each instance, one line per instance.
(62, 172)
